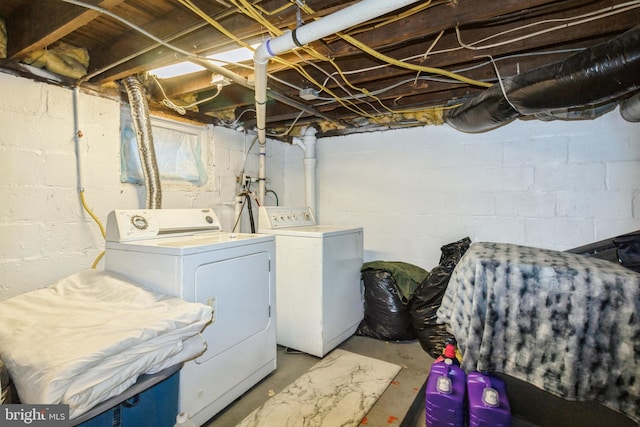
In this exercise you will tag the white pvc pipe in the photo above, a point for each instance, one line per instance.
(77, 136)
(308, 143)
(262, 172)
(330, 24)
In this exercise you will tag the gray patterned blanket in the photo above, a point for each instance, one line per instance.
(565, 323)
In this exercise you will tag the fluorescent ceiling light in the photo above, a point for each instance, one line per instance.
(182, 68)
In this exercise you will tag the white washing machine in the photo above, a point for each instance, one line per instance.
(318, 289)
(182, 252)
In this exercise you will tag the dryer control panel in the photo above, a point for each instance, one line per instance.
(273, 217)
(138, 224)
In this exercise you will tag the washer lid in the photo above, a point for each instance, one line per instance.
(317, 231)
(190, 244)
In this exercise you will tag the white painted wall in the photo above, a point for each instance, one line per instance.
(547, 184)
(44, 232)
(554, 185)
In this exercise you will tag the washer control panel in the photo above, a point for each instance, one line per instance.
(273, 217)
(138, 224)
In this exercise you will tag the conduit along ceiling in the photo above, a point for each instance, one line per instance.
(474, 65)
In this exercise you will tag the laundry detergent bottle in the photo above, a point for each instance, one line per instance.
(445, 394)
(488, 402)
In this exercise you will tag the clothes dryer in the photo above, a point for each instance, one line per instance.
(318, 288)
(184, 253)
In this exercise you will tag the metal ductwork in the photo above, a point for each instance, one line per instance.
(144, 137)
(630, 108)
(590, 79)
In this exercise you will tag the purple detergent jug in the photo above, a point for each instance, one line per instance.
(488, 403)
(445, 395)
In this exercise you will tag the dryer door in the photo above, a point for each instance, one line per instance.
(238, 290)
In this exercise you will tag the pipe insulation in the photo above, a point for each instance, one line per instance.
(594, 76)
(144, 137)
(630, 108)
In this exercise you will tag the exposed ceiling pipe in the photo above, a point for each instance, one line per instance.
(237, 78)
(330, 24)
(596, 76)
(307, 141)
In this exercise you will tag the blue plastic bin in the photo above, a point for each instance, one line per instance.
(151, 402)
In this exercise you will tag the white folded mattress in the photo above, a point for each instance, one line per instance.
(89, 336)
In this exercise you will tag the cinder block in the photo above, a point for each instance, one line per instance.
(22, 96)
(535, 151)
(521, 204)
(575, 177)
(596, 204)
(559, 233)
(19, 241)
(475, 203)
(500, 229)
(22, 167)
(623, 175)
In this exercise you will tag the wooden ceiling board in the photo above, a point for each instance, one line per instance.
(517, 35)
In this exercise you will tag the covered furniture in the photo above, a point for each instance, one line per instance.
(565, 323)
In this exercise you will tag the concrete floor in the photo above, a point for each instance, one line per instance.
(402, 404)
(392, 407)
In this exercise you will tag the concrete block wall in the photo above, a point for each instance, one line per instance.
(547, 184)
(554, 185)
(44, 232)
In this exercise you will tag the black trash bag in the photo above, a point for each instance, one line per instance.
(386, 317)
(628, 250)
(428, 297)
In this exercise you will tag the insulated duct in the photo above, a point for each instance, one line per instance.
(630, 108)
(144, 137)
(595, 76)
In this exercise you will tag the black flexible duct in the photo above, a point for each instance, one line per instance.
(599, 75)
(630, 108)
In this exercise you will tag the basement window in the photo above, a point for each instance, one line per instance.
(180, 151)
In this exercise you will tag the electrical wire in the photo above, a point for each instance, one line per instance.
(257, 13)
(250, 211)
(504, 92)
(147, 34)
(90, 212)
(411, 66)
(77, 136)
(402, 64)
(363, 92)
(182, 109)
(274, 195)
(575, 20)
(246, 155)
(286, 132)
(446, 80)
(254, 15)
(239, 214)
(237, 120)
(251, 12)
(631, 5)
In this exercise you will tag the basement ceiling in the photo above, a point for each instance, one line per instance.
(402, 69)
